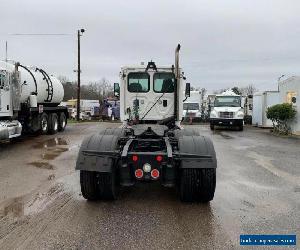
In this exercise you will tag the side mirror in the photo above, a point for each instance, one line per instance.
(116, 89)
(187, 89)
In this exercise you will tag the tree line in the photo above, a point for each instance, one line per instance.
(97, 90)
(245, 91)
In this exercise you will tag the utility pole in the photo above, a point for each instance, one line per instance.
(79, 34)
(6, 51)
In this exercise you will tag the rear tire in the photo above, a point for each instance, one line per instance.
(89, 185)
(108, 186)
(197, 184)
(53, 124)
(44, 123)
(62, 122)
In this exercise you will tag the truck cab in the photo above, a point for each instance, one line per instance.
(227, 110)
(9, 127)
(147, 94)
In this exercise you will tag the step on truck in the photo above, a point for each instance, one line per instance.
(29, 101)
(150, 145)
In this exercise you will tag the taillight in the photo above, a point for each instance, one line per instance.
(154, 173)
(159, 158)
(139, 173)
(135, 158)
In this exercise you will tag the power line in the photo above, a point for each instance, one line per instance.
(41, 34)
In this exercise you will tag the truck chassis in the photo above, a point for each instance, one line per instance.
(121, 157)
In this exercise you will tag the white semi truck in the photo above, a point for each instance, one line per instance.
(227, 110)
(192, 106)
(29, 100)
(151, 145)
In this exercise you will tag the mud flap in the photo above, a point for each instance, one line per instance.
(197, 145)
(104, 141)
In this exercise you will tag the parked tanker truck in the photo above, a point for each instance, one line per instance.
(151, 146)
(29, 99)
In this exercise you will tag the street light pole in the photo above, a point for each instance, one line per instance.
(79, 34)
(279, 81)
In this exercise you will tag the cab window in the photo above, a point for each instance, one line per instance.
(2, 80)
(138, 82)
(164, 82)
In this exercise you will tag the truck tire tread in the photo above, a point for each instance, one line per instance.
(62, 122)
(53, 118)
(89, 185)
(197, 185)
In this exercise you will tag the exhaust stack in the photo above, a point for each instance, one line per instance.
(177, 81)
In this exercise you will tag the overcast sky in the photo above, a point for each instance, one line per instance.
(224, 43)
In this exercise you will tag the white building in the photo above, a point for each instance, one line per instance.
(289, 91)
(261, 102)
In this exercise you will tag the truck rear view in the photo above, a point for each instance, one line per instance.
(151, 145)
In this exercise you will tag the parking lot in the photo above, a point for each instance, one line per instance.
(41, 207)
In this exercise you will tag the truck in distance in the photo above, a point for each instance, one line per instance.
(192, 107)
(227, 110)
(151, 144)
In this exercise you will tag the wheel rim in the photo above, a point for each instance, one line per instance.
(44, 124)
(63, 123)
(55, 125)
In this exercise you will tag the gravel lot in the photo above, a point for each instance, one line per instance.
(41, 207)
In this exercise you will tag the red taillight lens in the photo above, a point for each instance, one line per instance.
(135, 158)
(154, 173)
(159, 158)
(139, 173)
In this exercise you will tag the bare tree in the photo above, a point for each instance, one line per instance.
(248, 90)
(101, 89)
(63, 79)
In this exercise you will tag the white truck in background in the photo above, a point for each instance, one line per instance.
(227, 110)
(89, 109)
(192, 106)
(29, 101)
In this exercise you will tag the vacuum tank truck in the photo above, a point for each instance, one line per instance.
(29, 100)
(151, 145)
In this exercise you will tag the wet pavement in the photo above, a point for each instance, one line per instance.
(258, 192)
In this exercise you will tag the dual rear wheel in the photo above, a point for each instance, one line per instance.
(196, 185)
(196, 179)
(52, 123)
(98, 186)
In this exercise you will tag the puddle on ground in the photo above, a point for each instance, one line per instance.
(225, 136)
(52, 154)
(52, 151)
(248, 204)
(40, 164)
(13, 207)
(51, 143)
(297, 189)
(20, 206)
